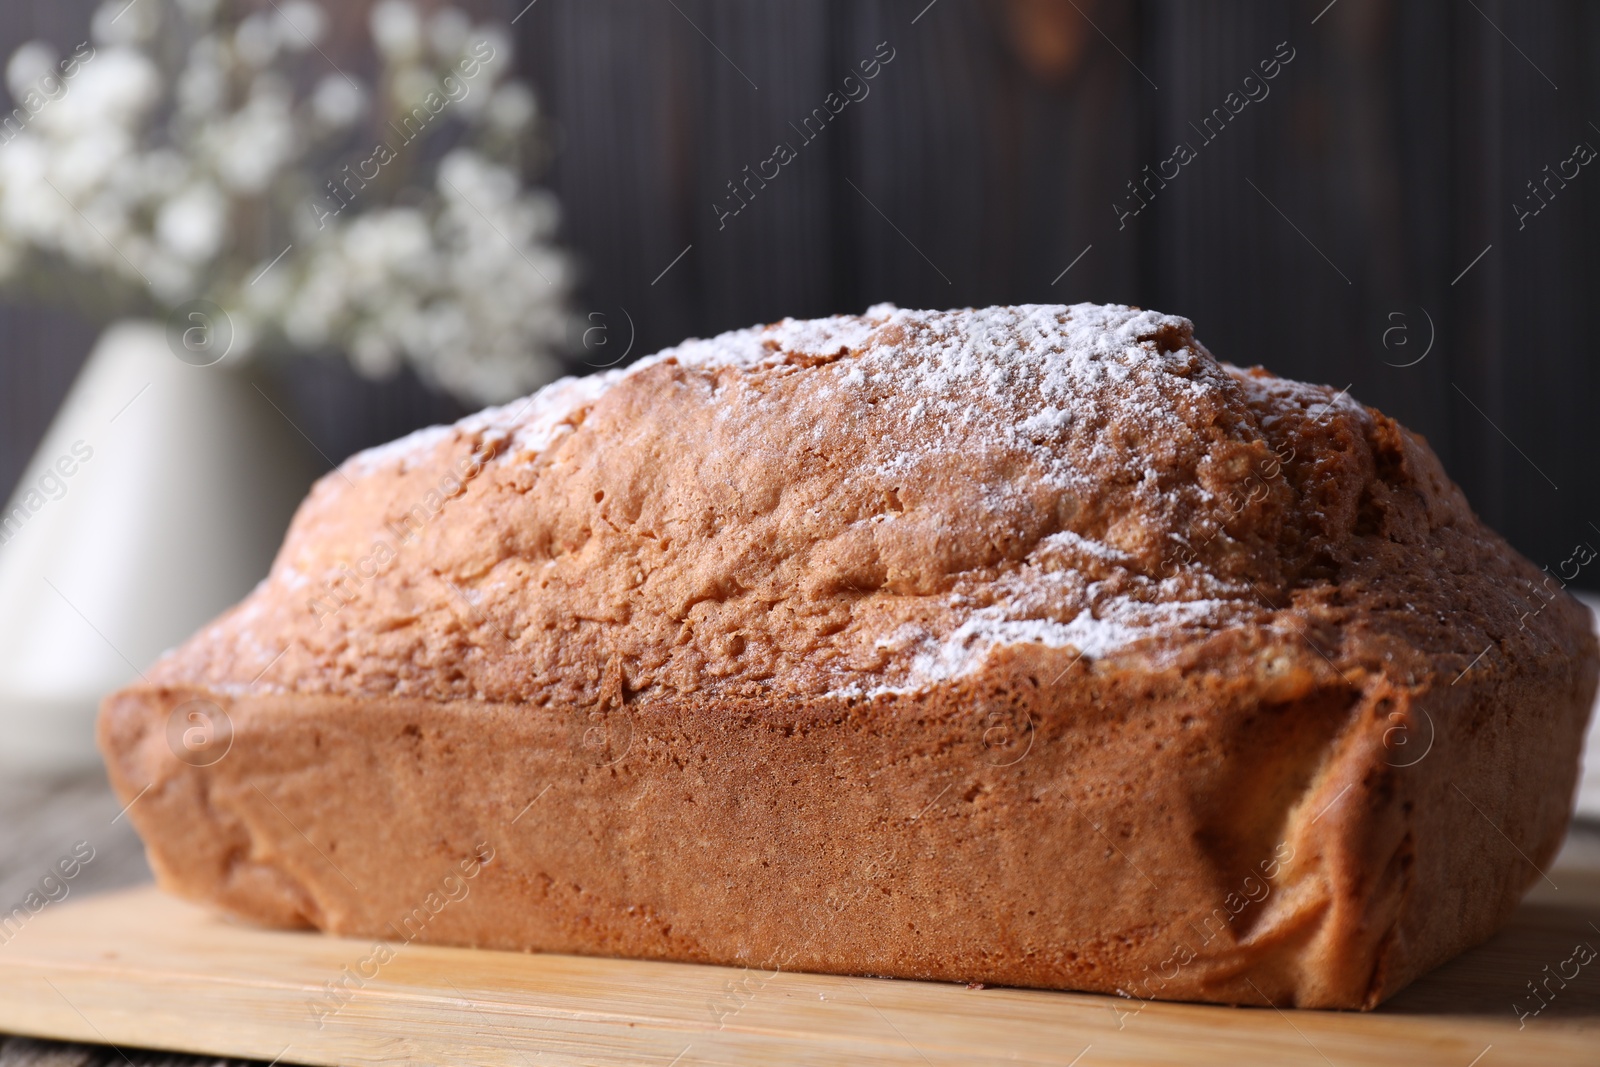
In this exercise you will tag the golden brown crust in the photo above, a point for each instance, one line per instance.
(1028, 645)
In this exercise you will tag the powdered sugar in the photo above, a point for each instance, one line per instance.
(1063, 358)
(399, 452)
(1045, 424)
(535, 421)
(534, 424)
(934, 388)
(522, 427)
(1112, 625)
(1067, 539)
(1073, 368)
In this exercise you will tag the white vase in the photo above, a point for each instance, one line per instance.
(156, 499)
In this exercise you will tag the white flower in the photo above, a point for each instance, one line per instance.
(121, 22)
(410, 87)
(115, 89)
(511, 107)
(448, 30)
(152, 175)
(494, 41)
(201, 11)
(460, 284)
(257, 39)
(250, 147)
(35, 213)
(465, 175)
(396, 29)
(96, 231)
(172, 278)
(82, 166)
(191, 224)
(308, 320)
(23, 161)
(268, 288)
(303, 24)
(337, 102)
(388, 241)
(27, 65)
(373, 354)
(203, 86)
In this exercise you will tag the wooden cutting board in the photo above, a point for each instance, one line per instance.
(139, 968)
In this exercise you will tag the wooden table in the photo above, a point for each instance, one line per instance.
(41, 819)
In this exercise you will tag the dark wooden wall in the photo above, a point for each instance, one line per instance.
(1385, 159)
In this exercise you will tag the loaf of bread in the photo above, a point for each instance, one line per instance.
(1025, 645)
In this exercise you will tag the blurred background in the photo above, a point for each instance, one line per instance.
(1394, 198)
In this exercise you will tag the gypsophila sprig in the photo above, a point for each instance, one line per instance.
(185, 151)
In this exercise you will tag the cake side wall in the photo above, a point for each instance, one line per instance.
(1490, 799)
(1123, 831)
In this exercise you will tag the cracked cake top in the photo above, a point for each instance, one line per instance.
(860, 504)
